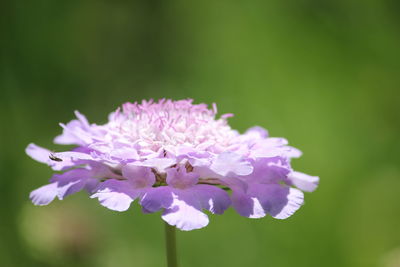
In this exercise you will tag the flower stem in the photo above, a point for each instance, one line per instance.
(170, 242)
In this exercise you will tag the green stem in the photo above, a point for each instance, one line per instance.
(170, 242)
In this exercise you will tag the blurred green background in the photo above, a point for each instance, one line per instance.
(325, 74)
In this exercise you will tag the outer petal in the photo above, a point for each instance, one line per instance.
(277, 200)
(180, 178)
(231, 164)
(76, 132)
(252, 135)
(140, 177)
(261, 199)
(201, 162)
(125, 153)
(160, 164)
(72, 155)
(268, 170)
(71, 181)
(304, 181)
(42, 155)
(246, 205)
(182, 208)
(116, 195)
(91, 185)
(44, 195)
(185, 213)
(157, 198)
(38, 153)
(257, 132)
(198, 159)
(273, 147)
(211, 198)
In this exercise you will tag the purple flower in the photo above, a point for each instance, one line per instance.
(176, 157)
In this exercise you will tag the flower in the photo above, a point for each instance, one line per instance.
(177, 157)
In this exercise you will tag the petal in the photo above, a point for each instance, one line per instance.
(70, 188)
(44, 195)
(211, 198)
(292, 152)
(126, 153)
(246, 206)
(157, 198)
(82, 119)
(73, 134)
(179, 178)
(71, 155)
(71, 181)
(139, 176)
(76, 132)
(199, 159)
(43, 155)
(275, 141)
(257, 132)
(185, 213)
(268, 170)
(116, 195)
(277, 200)
(304, 181)
(38, 153)
(273, 147)
(160, 164)
(91, 185)
(231, 163)
(201, 162)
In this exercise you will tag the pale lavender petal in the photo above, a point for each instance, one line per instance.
(257, 132)
(82, 119)
(70, 188)
(71, 155)
(38, 153)
(71, 181)
(67, 137)
(185, 213)
(201, 161)
(267, 152)
(127, 153)
(43, 155)
(73, 134)
(116, 195)
(246, 206)
(293, 152)
(277, 200)
(275, 141)
(100, 170)
(160, 164)
(138, 176)
(44, 195)
(198, 159)
(157, 198)
(249, 138)
(212, 198)
(273, 147)
(269, 170)
(304, 181)
(91, 185)
(76, 132)
(231, 164)
(179, 178)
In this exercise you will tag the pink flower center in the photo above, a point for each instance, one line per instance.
(167, 124)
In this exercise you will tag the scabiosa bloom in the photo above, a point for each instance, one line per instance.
(177, 157)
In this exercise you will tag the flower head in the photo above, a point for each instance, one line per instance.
(177, 157)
